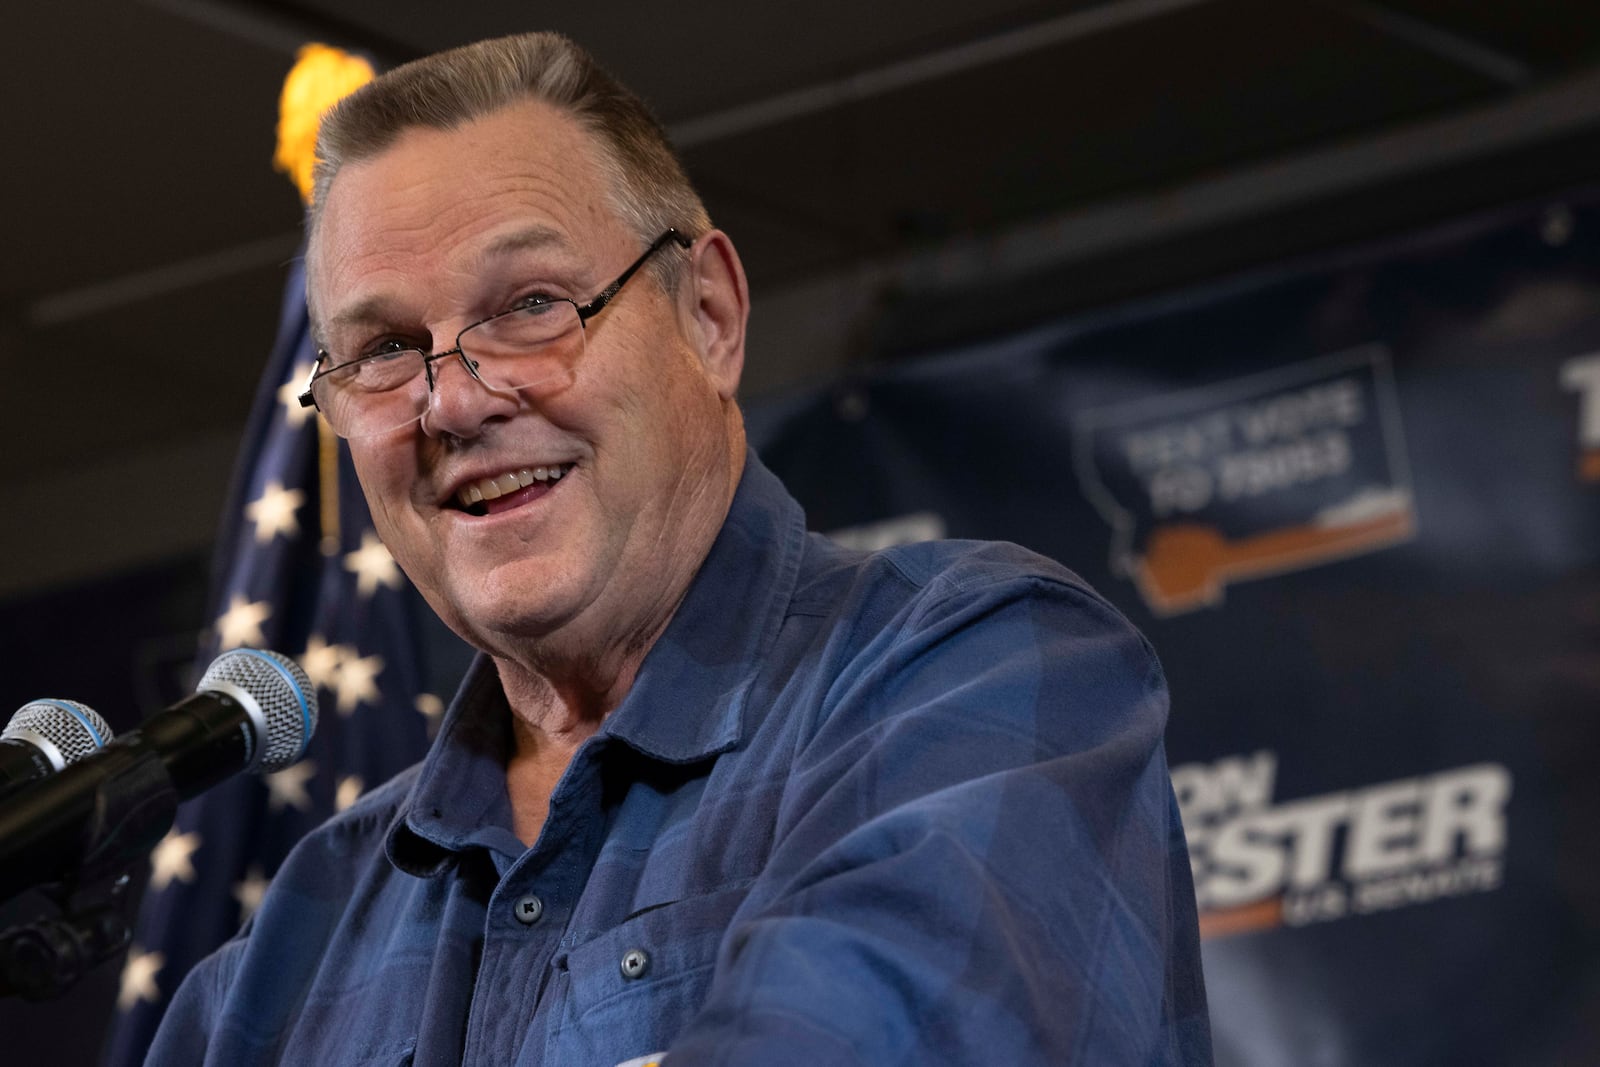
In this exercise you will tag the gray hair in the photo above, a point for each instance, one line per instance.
(648, 188)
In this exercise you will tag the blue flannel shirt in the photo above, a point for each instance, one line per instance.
(908, 807)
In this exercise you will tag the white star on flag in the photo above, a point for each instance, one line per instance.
(289, 396)
(372, 565)
(250, 891)
(357, 682)
(287, 788)
(349, 791)
(139, 978)
(431, 708)
(173, 858)
(321, 661)
(273, 511)
(240, 625)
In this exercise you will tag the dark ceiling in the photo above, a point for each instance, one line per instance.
(1033, 157)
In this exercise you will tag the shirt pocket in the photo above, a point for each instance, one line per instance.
(633, 988)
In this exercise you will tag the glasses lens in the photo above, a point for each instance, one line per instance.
(372, 395)
(533, 348)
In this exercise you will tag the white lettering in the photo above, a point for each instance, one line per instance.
(1193, 441)
(1311, 824)
(1582, 376)
(1293, 415)
(903, 530)
(1415, 887)
(1384, 829)
(1246, 865)
(1331, 901)
(1465, 807)
(1266, 470)
(1237, 783)
(1396, 842)
(1183, 490)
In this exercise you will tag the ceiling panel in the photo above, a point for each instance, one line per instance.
(147, 141)
(688, 59)
(1551, 36)
(1194, 92)
(140, 376)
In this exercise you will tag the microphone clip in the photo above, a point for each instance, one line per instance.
(45, 958)
(132, 809)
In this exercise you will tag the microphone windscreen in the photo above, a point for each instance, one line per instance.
(283, 695)
(69, 730)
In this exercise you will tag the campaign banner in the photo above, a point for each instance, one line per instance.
(1249, 477)
(1355, 504)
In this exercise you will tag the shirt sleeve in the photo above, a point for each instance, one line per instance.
(980, 858)
(190, 1020)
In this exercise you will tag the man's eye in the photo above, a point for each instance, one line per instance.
(535, 302)
(389, 347)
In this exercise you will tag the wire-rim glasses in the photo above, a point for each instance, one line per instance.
(533, 345)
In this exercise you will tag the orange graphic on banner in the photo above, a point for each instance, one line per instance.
(1186, 565)
(1263, 915)
(1589, 465)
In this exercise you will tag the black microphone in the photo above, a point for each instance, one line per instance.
(43, 737)
(254, 711)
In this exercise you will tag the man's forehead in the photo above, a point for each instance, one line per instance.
(510, 246)
(525, 237)
(529, 137)
(425, 174)
(506, 186)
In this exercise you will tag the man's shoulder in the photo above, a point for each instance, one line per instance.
(926, 569)
(327, 863)
(989, 597)
(363, 826)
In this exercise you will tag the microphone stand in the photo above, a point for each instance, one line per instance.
(129, 811)
(45, 958)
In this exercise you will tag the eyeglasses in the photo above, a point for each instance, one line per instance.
(533, 345)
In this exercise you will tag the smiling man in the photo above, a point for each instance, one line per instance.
(715, 789)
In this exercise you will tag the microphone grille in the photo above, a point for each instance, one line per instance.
(286, 697)
(74, 729)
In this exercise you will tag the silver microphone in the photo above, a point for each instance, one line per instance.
(44, 737)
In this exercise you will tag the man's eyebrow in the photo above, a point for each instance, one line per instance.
(530, 238)
(378, 308)
(372, 309)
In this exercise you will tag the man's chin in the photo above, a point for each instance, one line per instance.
(505, 624)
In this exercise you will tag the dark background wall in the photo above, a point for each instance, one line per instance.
(898, 177)
(895, 175)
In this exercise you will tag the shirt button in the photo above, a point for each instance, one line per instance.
(634, 963)
(528, 909)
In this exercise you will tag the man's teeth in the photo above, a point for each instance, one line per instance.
(510, 482)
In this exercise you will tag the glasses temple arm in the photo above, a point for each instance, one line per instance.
(595, 306)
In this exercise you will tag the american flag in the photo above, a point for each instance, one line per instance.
(298, 569)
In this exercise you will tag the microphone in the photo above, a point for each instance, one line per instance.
(253, 711)
(43, 737)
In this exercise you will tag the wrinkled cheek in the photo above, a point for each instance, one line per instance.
(425, 565)
(381, 488)
(384, 522)
(399, 528)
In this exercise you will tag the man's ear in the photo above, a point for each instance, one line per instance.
(719, 304)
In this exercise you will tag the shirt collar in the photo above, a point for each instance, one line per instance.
(688, 700)
(459, 797)
(686, 704)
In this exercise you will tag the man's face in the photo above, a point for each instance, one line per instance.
(447, 227)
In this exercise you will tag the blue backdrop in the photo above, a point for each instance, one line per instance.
(1355, 504)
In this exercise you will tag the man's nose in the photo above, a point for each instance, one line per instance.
(461, 400)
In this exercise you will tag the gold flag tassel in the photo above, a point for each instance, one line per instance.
(321, 77)
(328, 484)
